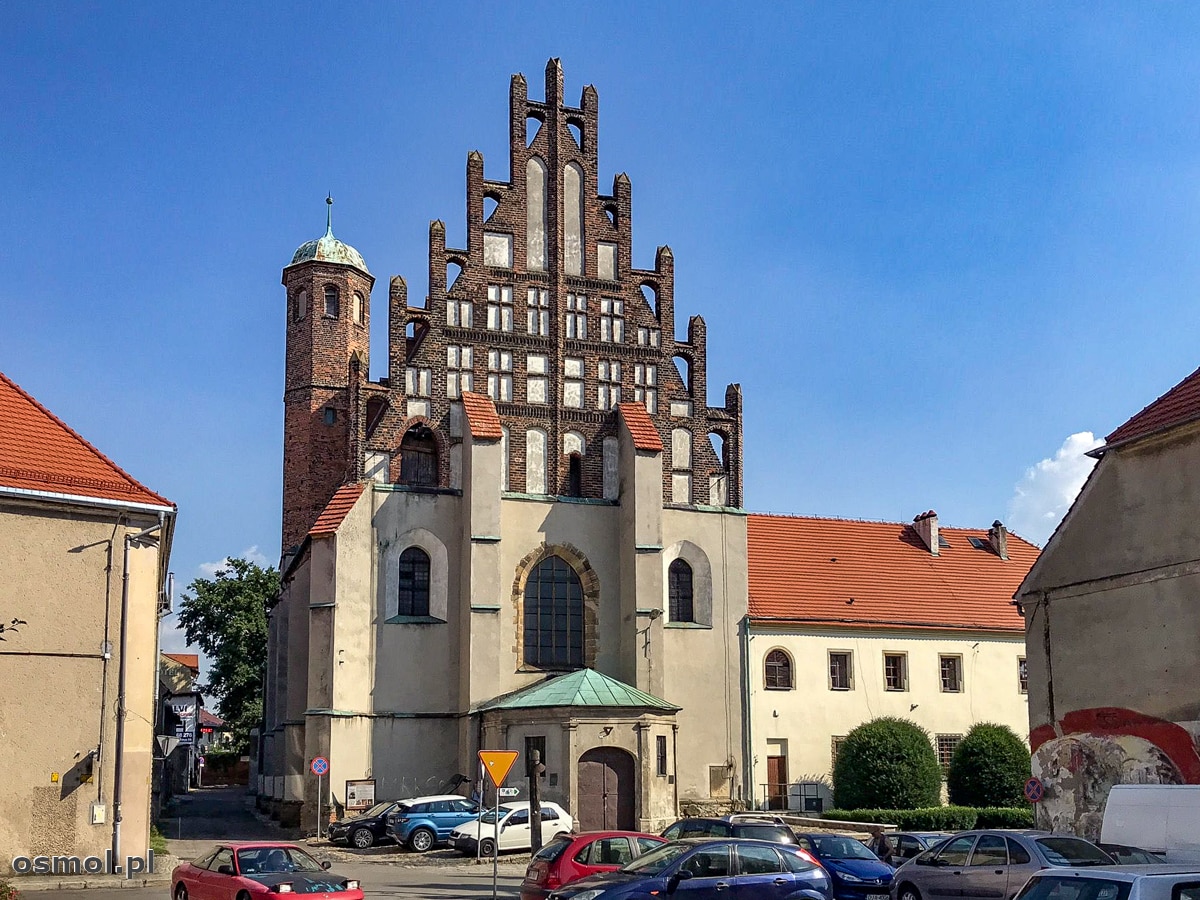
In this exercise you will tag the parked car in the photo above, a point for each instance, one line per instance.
(744, 825)
(707, 869)
(902, 846)
(366, 828)
(1131, 856)
(511, 827)
(256, 869)
(991, 864)
(567, 858)
(1161, 882)
(422, 822)
(856, 872)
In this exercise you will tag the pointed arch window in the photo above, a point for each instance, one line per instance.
(331, 301)
(419, 457)
(413, 593)
(778, 671)
(553, 616)
(679, 593)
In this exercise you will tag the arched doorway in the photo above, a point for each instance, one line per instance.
(606, 790)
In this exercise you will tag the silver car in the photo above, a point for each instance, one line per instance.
(990, 865)
(1161, 882)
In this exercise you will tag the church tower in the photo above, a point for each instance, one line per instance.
(328, 337)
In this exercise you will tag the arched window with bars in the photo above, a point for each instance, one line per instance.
(553, 616)
(412, 595)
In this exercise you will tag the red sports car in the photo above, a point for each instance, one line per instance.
(246, 870)
(570, 857)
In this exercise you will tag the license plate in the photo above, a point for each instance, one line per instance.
(878, 896)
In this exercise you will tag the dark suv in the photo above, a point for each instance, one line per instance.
(739, 825)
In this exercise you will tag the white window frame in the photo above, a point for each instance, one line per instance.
(576, 316)
(538, 303)
(645, 386)
(499, 307)
(460, 374)
(608, 387)
(573, 376)
(537, 372)
(500, 380)
(417, 381)
(612, 320)
(460, 313)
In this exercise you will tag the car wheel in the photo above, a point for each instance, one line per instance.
(243, 896)
(421, 840)
(180, 892)
(362, 838)
(487, 847)
(908, 892)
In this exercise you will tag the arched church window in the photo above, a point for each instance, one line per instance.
(359, 303)
(413, 594)
(419, 457)
(679, 593)
(778, 671)
(331, 301)
(553, 616)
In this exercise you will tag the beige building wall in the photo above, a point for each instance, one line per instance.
(59, 689)
(804, 721)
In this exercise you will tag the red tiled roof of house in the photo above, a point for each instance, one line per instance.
(880, 574)
(482, 417)
(209, 720)
(1178, 405)
(40, 452)
(645, 435)
(189, 660)
(336, 509)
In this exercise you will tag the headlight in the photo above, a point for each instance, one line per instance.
(589, 895)
(352, 884)
(846, 876)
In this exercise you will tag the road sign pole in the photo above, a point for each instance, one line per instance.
(482, 797)
(496, 843)
(318, 807)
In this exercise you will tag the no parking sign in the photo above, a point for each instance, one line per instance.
(319, 766)
(1034, 790)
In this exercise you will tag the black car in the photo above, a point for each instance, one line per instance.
(366, 828)
(739, 825)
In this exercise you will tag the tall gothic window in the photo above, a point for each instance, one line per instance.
(553, 616)
(679, 592)
(331, 301)
(413, 595)
(418, 458)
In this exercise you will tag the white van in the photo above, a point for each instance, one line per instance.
(1161, 818)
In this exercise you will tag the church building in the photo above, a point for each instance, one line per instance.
(528, 534)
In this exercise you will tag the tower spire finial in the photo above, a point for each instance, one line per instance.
(329, 214)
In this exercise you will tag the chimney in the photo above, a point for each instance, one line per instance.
(998, 538)
(926, 527)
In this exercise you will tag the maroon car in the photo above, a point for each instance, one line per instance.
(245, 870)
(570, 857)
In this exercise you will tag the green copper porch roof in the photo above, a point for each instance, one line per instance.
(585, 687)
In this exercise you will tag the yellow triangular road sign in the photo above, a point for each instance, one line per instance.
(497, 763)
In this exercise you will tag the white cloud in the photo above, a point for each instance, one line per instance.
(252, 554)
(1047, 490)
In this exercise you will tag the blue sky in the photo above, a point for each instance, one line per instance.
(939, 245)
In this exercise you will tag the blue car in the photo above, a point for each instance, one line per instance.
(857, 873)
(707, 869)
(422, 822)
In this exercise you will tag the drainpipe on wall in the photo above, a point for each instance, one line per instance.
(747, 718)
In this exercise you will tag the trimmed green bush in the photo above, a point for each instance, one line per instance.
(1006, 817)
(887, 763)
(934, 818)
(989, 768)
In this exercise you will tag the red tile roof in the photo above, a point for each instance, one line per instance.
(209, 720)
(809, 570)
(1178, 405)
(482, 417)
(40, 452)
(336, 510)
(645, 435)
(189, 660)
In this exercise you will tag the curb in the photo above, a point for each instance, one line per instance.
(42, 883)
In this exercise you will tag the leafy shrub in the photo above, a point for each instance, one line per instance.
(887, 763)
(989, 768)
(934, 818)
(1005, 817)
(158, 843)
(7, 891)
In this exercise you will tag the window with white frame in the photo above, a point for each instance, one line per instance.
(648, 337)
(460, 362)
(500, 375)
(538, 301)
(416, 381)
(536, 381)
(645, 386)
(577, 316)
(573, 382)
(612, 320)
(459, 313)
(608, 391)
(499, 307)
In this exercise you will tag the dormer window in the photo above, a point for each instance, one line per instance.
(331, 301)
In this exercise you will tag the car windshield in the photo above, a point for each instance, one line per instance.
(837, 847)
(273, 860)
(489, 817)
(656, 860)
(1071, 851)
(377, 810)
(1131, 855)
(1062, 887)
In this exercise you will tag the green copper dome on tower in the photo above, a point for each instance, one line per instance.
(329, 249)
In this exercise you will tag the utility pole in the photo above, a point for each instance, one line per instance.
(535, 807)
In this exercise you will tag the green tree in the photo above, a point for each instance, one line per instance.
(226, 616)
(887, 763)
(989, 768)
